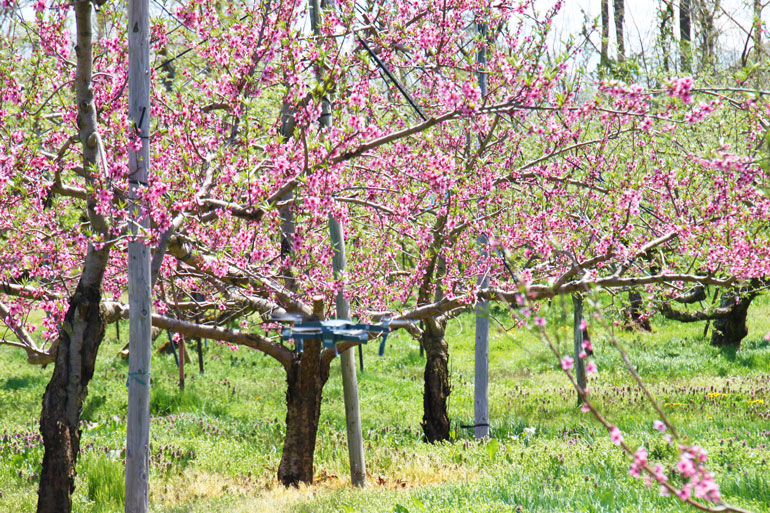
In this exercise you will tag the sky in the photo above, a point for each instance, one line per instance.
(641, 23)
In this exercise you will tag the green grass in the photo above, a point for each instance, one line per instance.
(216, 446)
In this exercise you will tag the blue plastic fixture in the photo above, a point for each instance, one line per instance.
(333, 331)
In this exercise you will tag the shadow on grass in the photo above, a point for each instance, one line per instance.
(19, 383)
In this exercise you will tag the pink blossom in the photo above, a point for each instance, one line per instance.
(685, 465)
(685, 493)
(660, 426)
(616, 437)
(591, 368)
(681, 88)
(539, 321)
(640, 460)
(567, 362)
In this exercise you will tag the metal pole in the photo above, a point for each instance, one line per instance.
(361, 357)
(347, 358)
(481, 367)
(181, 362)
(139, 288)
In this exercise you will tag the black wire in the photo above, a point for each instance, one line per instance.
(392, 78)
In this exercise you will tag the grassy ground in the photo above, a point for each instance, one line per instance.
(216, 446)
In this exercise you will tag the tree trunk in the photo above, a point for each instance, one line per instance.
(305, 378)
(435, 420)
(635, 319)
(707, 11)
(578, 338)
(757, 30)
(604, 60)
(666, 31)
(79, 340)
(619, 8)
(729, 330)
(685, 36)
(83, 328)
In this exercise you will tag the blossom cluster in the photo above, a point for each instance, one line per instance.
(680, 88)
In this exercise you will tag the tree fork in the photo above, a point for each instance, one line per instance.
(730, 329)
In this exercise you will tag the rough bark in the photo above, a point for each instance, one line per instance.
(634, 312)
(694, 295)
(305, 378)
(79, 341)
(83, 328)
(435, 420)
(730, 329)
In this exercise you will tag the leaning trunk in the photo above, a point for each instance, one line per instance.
(730, 329)
(306, 378)
(83, 328)
(79, 341)
(435, 420)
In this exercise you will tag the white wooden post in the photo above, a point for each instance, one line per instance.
(347, 358)
(481, 367)
(139, 289)
(580, 368)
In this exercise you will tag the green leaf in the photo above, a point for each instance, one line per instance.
(400, 509)
(418, 504)
(492, 447)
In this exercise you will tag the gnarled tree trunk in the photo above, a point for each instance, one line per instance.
(79, 341)
(306, 377)
(730, 329)
(83, 328)
(435, 420)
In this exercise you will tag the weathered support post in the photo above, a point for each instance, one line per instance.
(481, 367)
(139, 289)
(347, 358)
(577, 330)
(348, 365)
